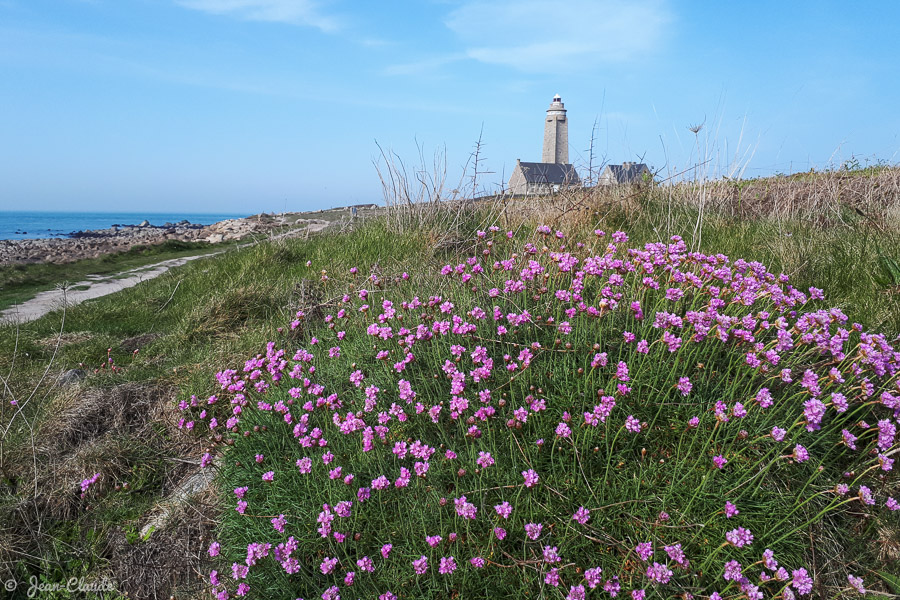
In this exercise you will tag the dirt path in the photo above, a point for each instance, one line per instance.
(103, 285)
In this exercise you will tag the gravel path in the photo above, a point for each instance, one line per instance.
(99, 286)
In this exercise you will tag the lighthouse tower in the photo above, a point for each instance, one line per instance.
(556, 134)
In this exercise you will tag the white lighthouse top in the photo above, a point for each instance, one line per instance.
(557, 108)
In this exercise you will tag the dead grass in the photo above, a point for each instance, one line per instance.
(172, 561)
(129, 434)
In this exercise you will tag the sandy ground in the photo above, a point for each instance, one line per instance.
(96, 287)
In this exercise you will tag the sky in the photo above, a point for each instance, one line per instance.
(243, 106)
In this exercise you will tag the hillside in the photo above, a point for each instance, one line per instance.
(109, 387)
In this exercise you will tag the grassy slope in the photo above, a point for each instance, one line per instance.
(19, 283)
(225, 309)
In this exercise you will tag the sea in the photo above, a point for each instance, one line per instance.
(18, 225)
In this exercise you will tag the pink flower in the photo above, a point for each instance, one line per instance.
(739, 537)
(327, 565)
(720, 461)
(582, 515)
(465, 509)
(278, 523)
(533, 530)
(484, 459)
(504, 509)
(366, 564)
(531, 478)
(632, 424)
(420, 565)
(644, 550)
(800, 454)
(268, 476)
(447, 566)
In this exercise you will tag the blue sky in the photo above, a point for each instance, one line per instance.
(251, 105)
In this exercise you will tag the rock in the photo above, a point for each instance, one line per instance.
(215, 238)
(144, 223)
(72, 376)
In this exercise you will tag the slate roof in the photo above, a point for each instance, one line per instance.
(628, 173)
(552, 173)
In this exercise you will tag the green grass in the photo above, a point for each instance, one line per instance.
(19, 283)
(215, 313)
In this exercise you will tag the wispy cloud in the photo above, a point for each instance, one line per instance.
(423, 66)
(296, 12)
(537, 36)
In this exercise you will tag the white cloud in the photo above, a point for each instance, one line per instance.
(539, 36)
(295, 12)
(426, 66)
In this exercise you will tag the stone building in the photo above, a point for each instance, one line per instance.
(554, 172)
(627, 173)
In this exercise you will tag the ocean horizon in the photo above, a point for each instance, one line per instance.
(20, 225)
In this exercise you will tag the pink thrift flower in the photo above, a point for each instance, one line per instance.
(278, 523)
(531, 478)
(386, 550)
(484, 460)
(366, 564)
(533, 530)
(447, 566)
(327, 565)
(739, 537)
(268, 476)
(632, 424)
(420, 565)
(504, 509)
(644, 550)
(582, 515)
(720, 461)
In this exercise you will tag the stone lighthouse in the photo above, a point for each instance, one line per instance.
(556, 134)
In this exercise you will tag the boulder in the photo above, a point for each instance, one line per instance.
(72, 376)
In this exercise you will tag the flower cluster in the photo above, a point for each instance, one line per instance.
(541, 403)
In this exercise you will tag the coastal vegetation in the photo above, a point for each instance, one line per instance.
(21, 282)
(647, 443)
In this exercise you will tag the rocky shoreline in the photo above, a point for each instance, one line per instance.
(80, 245)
